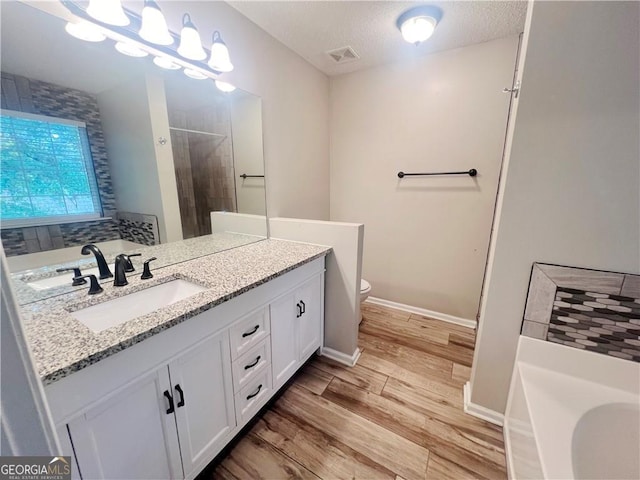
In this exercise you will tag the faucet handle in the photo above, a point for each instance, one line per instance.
(146, 273)
(128, 264)
(78, 279)
(94, 287)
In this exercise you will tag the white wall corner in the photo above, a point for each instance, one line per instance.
(479, 411)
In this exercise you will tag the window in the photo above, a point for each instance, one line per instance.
(46, 171)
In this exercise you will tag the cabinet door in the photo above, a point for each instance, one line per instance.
(284, 339)
(309, 297)
(203, 393)
(130, 434)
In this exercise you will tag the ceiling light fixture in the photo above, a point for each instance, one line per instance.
(225, 87)
(154, 26)
(418, 24)
(190, 44)
(147, 34)
(220, 60)
(108, 11)
(84, 31)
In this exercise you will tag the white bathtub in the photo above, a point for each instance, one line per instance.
(32, 261)
(572, 414)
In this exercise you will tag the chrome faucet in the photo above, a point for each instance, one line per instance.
(102, 263)
(121, 267)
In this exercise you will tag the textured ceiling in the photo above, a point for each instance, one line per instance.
(312, 28)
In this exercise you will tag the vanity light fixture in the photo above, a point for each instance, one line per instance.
(84, 31)
(147, 35)
(225, 87)
(108, 11)
(418, 24)
(190, 44)
(154, 26)
(166, 62)
(220, 60)
(130, 50)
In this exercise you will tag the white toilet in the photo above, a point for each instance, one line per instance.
(365, 289)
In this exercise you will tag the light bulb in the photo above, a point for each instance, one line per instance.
(196, 75)
(108, 11)
(219, 60)
(190, 44)
(166, 62)
(418, 29)
(154, 26)
(225, 87)
(85, 31)
(130, 50)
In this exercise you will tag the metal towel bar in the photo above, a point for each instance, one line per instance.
(472, 173)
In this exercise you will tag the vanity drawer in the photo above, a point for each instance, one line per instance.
(248, 332)
(253, 396)
(251, 364)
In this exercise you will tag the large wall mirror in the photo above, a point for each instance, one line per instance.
(102, 148)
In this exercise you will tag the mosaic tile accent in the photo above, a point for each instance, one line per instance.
(139, 228)
(34, 96)
(586, 309)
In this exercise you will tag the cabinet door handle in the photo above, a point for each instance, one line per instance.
(248, 334)
(299, 310)
(170, 410)
(181, 401)
(304, 308)
(247, 367)
(249, 397)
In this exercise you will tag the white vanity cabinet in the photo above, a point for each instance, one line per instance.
(132, 434)
(165, 407)
(296, 328)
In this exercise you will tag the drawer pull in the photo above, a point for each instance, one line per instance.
(247, 367)
(299, 310)
(248, 334)
(170, 410)
(304, 308)
(179, 390)
(249, 397)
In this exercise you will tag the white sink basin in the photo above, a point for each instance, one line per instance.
(122, 309)
(63, 279)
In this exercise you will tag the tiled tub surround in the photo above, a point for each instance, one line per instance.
(62, 345)
(138, 228)
(166, 254)
(34, 96)
(586, 309)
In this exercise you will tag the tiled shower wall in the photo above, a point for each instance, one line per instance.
(42, 98)
(586, 309)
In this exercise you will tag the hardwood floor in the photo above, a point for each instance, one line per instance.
(396, 415)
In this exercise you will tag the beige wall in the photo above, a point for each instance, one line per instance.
(294, 103)
(571, 194)
(427, 238)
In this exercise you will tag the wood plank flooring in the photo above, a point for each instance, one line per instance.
(396, 415)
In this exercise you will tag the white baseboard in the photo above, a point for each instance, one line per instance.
(465, 322)
(484, 413)
(348, 360)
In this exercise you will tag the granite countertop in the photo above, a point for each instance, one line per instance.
(61, 345)
(166, 253)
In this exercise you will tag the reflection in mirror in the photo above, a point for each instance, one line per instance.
(101, 148)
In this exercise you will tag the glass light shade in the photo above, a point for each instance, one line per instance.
(196, 75)
(418, 29)
(85, 31)
(166, 62)
(190, 44)
(154, 26)
(130, 50)
(224, 86)
(108, 11)
(220, 60)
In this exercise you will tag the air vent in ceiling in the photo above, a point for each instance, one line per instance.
(343, 55)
